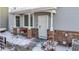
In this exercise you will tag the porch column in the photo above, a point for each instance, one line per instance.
(51, 30)
(33, 19)
(29, 21)
(51, 26)
(14, 24)
(29, 35)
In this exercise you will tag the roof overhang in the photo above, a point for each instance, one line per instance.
(40, 9)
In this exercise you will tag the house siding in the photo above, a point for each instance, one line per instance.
(0, 17)
(11, 21)
(36, 19)
(4, 17)
(67, 18)
(66, 24)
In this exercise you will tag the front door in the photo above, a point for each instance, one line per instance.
(43, 26)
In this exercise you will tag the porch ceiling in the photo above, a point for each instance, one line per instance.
(40, 9)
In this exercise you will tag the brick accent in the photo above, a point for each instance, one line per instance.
(35, 32)
(61, 35)
(14, 31)
(29, 33)
(50, 35)
(24, 31)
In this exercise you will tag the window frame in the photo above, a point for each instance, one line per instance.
(24, 22)
(19, 20)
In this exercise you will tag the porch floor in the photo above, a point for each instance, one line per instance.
(24, 42)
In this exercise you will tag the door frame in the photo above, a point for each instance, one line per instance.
(46, 23)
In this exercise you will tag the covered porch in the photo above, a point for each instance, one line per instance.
(34, 23)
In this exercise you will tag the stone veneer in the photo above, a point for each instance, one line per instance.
(61, 35)
(29, 33)
(34, 32)
(50, 35)
(14, 31)
(57, 35)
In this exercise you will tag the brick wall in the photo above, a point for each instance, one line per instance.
(50, 35)
(34, 32)
(29, 33)
(61, 35)
(14, 31)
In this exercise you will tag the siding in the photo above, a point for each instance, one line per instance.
(0, 17)
(67, 18)
(12, 20)
(36, 18)
(4, 17)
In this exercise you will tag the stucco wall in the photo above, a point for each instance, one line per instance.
(67, 18)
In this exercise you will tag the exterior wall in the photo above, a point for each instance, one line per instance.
(11, 21)
(4, 17)
(67, 36)
(26, 32)
(67, 18)
(34, 31)
(36, 18)
(50, 35)
(0, 17)
(36, 21)
(66, 24)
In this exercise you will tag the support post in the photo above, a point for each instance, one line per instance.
(33, 19)
(29, 26)
(29, 21)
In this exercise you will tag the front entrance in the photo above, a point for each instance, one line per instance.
(43, 26)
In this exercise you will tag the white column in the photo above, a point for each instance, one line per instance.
(29, 21)
(23, 21)
(51, 26)
(14, 24)
(33, 19)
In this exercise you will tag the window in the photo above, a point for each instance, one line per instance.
(25, 20)
(17, 21)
